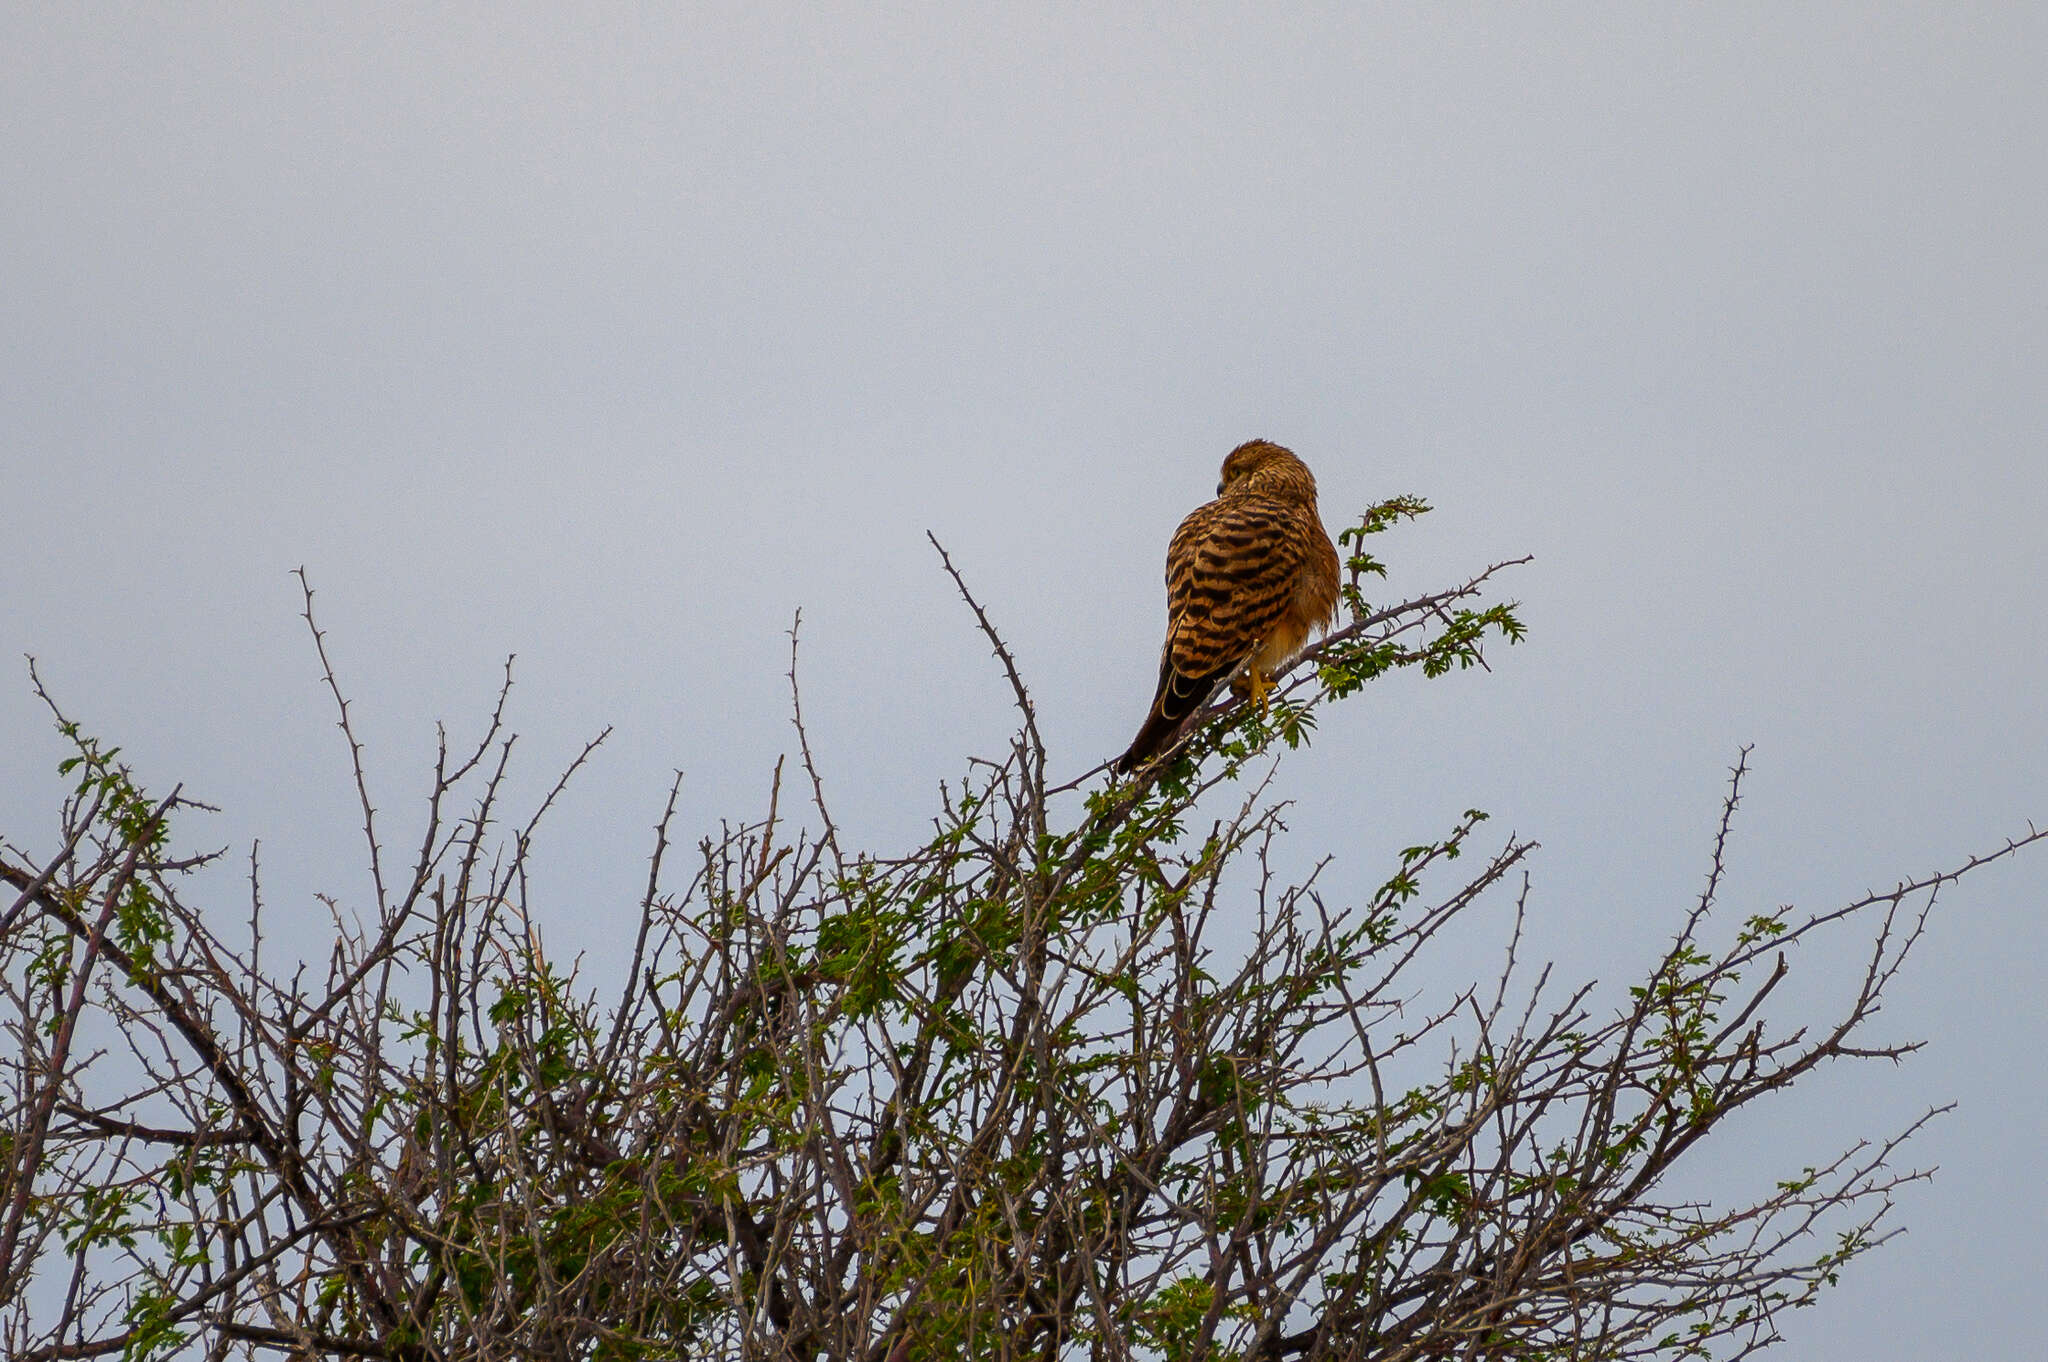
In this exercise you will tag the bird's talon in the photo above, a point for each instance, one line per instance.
(1259, 691)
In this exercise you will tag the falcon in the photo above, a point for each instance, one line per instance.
(1249, 577)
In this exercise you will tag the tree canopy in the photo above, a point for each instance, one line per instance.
(1082, 1075)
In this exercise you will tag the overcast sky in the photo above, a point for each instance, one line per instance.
(612, 341)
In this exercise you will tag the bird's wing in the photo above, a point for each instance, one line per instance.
(1230, 574)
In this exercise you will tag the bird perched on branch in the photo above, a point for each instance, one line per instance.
(1249, 577)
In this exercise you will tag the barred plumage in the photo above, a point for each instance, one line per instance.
(1249, 577)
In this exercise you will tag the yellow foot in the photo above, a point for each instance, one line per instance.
(1256, 687)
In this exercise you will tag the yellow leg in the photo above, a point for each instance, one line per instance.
(1259, 688)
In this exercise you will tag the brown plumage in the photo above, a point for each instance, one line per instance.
(1249, 577)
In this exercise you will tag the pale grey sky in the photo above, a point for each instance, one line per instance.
(611, 339)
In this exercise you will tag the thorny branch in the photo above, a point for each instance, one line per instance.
(1082, 1076)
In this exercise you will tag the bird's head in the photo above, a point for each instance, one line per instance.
(1262, 468)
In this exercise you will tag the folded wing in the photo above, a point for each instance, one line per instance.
(1231, 572)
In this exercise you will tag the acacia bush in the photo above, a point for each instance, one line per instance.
(1080, 1076)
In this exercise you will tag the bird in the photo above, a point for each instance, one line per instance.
(1250, 577)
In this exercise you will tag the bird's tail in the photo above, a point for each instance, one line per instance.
(1179, 696)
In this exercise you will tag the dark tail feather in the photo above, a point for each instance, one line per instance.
(1158, 728)
(1179, 696)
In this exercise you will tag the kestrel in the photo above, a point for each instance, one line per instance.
(1249, 577)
